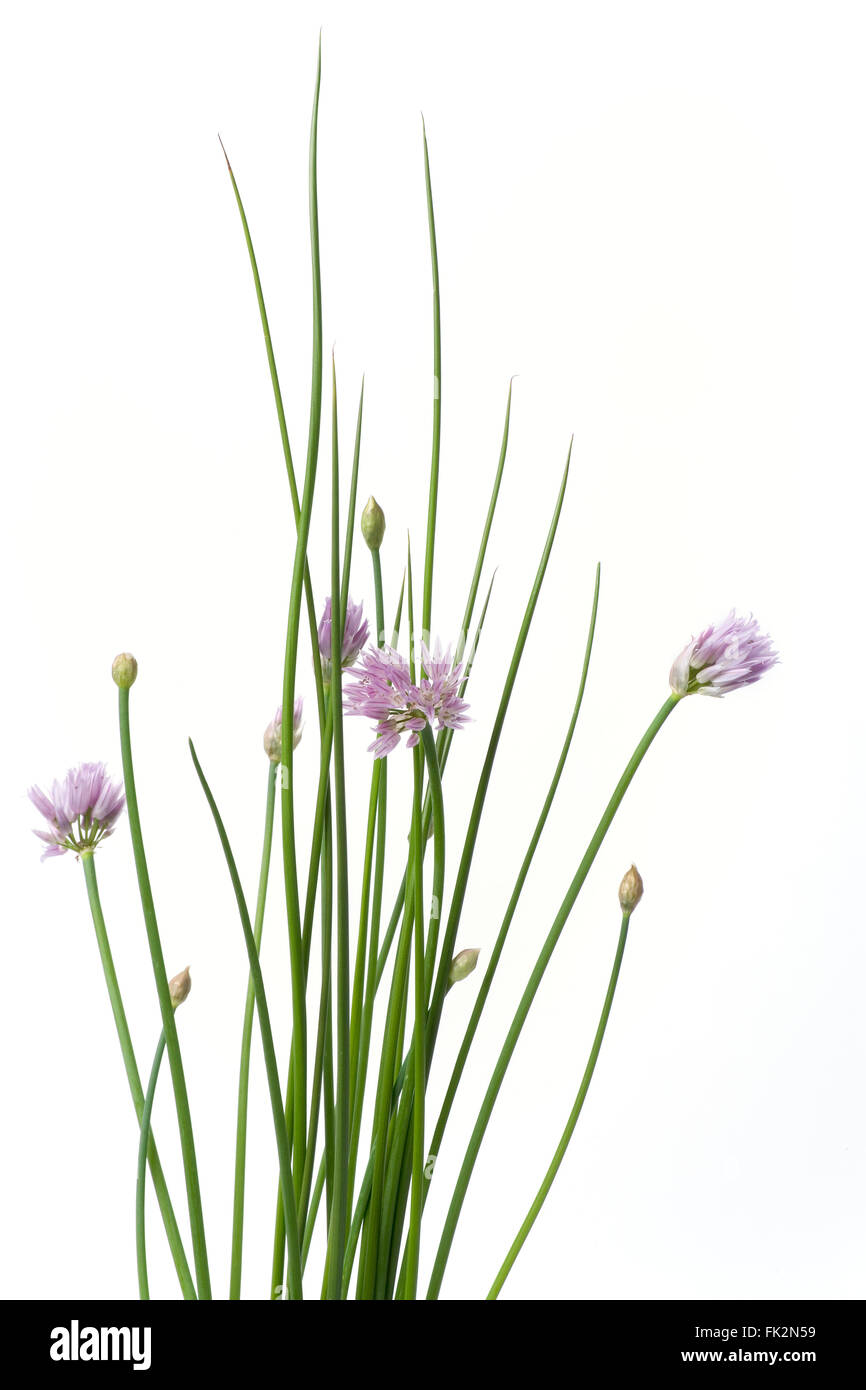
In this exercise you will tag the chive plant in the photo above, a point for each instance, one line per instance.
(355, 1138)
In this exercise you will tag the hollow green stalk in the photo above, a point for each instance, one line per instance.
(284, 433)
(327, 732)
(530, 992)
(321, 828)
(143, 1141)
(290, 868)
(374, 1247)
(361, 949)
(348, 544)
(328, 1087)
(428, 745)
(391, 1047)
(278, 1262)
(484, 989)
(471, 837)
(442, 977)
(572, 1120)
(427, 602)
(187, 1142)
(400, 987)
(315, 1200)
(324, 1011)
(366, 997)
(246, 1045)
(355, 1228)
(338, 1225)
(127, 1052)
(402, 1157)
(286, 1186)
(321, 818)
(321, 811)
(414, 1239)
(445, 736)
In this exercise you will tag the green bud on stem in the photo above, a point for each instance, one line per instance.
(630, 890)
(373, 524)
(179, 987)
(124, 669)
(463, 964)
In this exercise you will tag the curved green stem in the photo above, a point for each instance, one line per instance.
(414, 1239)
(246, 1045)
(132, 1075)
(484, 990)
(446, 734)
(442, 977)
(371, 1255)
(369, 997)
(322, 814)
(472, 830)
(184, 1119)
(499, 945)
(290, 867)
(284, 433)
(357, 1014)
(529, 994)
(428, 744)
(348, 544)
(427, 602)
(355, 1228)
(338, 1222)
(561, 1147)
(357, 1017)
(144, 1139)
(287, 1189)
(403, 1159)
(315, 1199)
(322, 1030)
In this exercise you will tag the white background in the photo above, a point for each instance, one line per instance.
(654, 214)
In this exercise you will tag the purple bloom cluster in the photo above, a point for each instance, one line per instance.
(81, 810)
(383, 690)
(356, 630)
(725, 656)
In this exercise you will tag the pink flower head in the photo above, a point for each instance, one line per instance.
(356, 630)
(725, 656)
(382, 690)
(273, 736)
(81, 810)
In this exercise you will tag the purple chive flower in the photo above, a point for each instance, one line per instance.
(273, 739)
(725, 656)
(81, 810)
(356, 630)
(383, 690)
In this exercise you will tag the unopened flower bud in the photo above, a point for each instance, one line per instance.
(273, 736)
(356, 630)
(630, 890)
(179, 987)
(373, 524)
(124, 669)
(463, 964)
